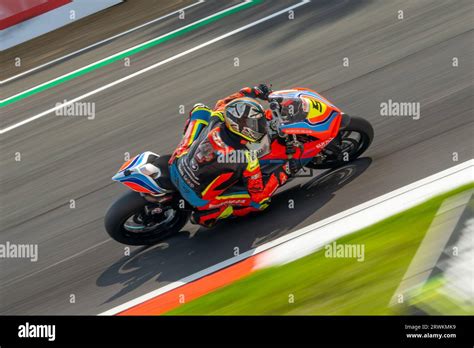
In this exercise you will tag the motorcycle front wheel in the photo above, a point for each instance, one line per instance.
(355, 136)
(132, 220)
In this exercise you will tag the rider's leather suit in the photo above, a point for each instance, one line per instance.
(210, 160)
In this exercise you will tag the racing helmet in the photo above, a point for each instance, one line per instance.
(246, 118)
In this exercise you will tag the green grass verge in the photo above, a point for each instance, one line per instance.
(330, 286)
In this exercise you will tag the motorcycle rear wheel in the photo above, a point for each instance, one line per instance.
(127, 222)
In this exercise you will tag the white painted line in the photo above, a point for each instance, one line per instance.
(100, 42)
(140, 72)
(126, 50)
(306, 240)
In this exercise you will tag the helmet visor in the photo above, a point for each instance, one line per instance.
(255, 128)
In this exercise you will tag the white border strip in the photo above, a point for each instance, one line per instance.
(179, 55)
(393, 203)
(99, 43)
(333, 227)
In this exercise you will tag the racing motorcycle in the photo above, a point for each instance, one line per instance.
(154, 210)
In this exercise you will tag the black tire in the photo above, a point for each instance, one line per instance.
(127, 206)
(350, 124)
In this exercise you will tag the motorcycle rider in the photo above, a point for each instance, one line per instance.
(199, 168)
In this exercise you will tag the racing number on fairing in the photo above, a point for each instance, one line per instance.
(317, 109)
(317, 105)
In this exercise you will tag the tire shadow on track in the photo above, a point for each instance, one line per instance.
(188, 253)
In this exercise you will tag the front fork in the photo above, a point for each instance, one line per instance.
(292, 143)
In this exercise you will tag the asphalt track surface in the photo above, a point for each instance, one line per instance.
(66, 158)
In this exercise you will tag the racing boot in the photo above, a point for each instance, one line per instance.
(208, 218)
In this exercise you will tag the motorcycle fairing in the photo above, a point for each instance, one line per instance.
(322, 120)
(278, 153)
(297, 92)
(322, 123)
(134, 174)
(323, 129)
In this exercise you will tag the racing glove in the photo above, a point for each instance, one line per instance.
(262, 91)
